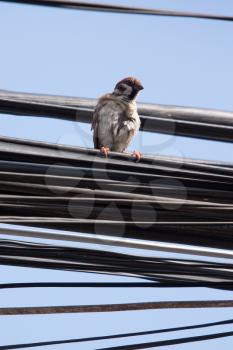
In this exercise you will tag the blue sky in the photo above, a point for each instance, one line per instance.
(179, 61)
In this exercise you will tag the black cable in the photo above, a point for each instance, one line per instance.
(86, 285)
(109, 254)
(115, 336)
(182, 121)
(219, 285)
(170, 342)
(177, 272)
(205, 221)
(98, 262)
(80, 5)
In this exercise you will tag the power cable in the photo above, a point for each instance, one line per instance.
(80, 5)
(115, 336)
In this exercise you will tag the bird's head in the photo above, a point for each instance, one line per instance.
(128, 88)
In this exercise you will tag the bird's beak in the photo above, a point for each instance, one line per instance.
(140, 87)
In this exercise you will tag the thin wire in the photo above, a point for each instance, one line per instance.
(115, 336)
(46, 310)
(117, 285)
(170, 342)
(80, 5)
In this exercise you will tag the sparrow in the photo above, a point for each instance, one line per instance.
(115, 119)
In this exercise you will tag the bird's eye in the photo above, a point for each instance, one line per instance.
(129, 82)
(121, 88)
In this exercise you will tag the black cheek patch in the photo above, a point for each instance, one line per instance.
(121, 87)
(133, 94)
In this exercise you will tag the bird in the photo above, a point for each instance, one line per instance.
(115, 119)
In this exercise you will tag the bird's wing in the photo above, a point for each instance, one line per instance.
(113, 124)
(126, 131)
(103, 121)
(95, 126)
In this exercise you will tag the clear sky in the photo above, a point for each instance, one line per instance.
(67, 52)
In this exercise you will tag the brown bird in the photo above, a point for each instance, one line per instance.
(115, 119)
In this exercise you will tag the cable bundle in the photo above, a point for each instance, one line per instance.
(175, 200)
(175, 120)
(170, 273)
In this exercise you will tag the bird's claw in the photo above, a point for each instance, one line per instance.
(105, 151)
(137, 156)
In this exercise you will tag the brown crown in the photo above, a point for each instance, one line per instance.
(130, 81)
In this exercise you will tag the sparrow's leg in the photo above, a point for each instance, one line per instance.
(137, 156)
(104, 151)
